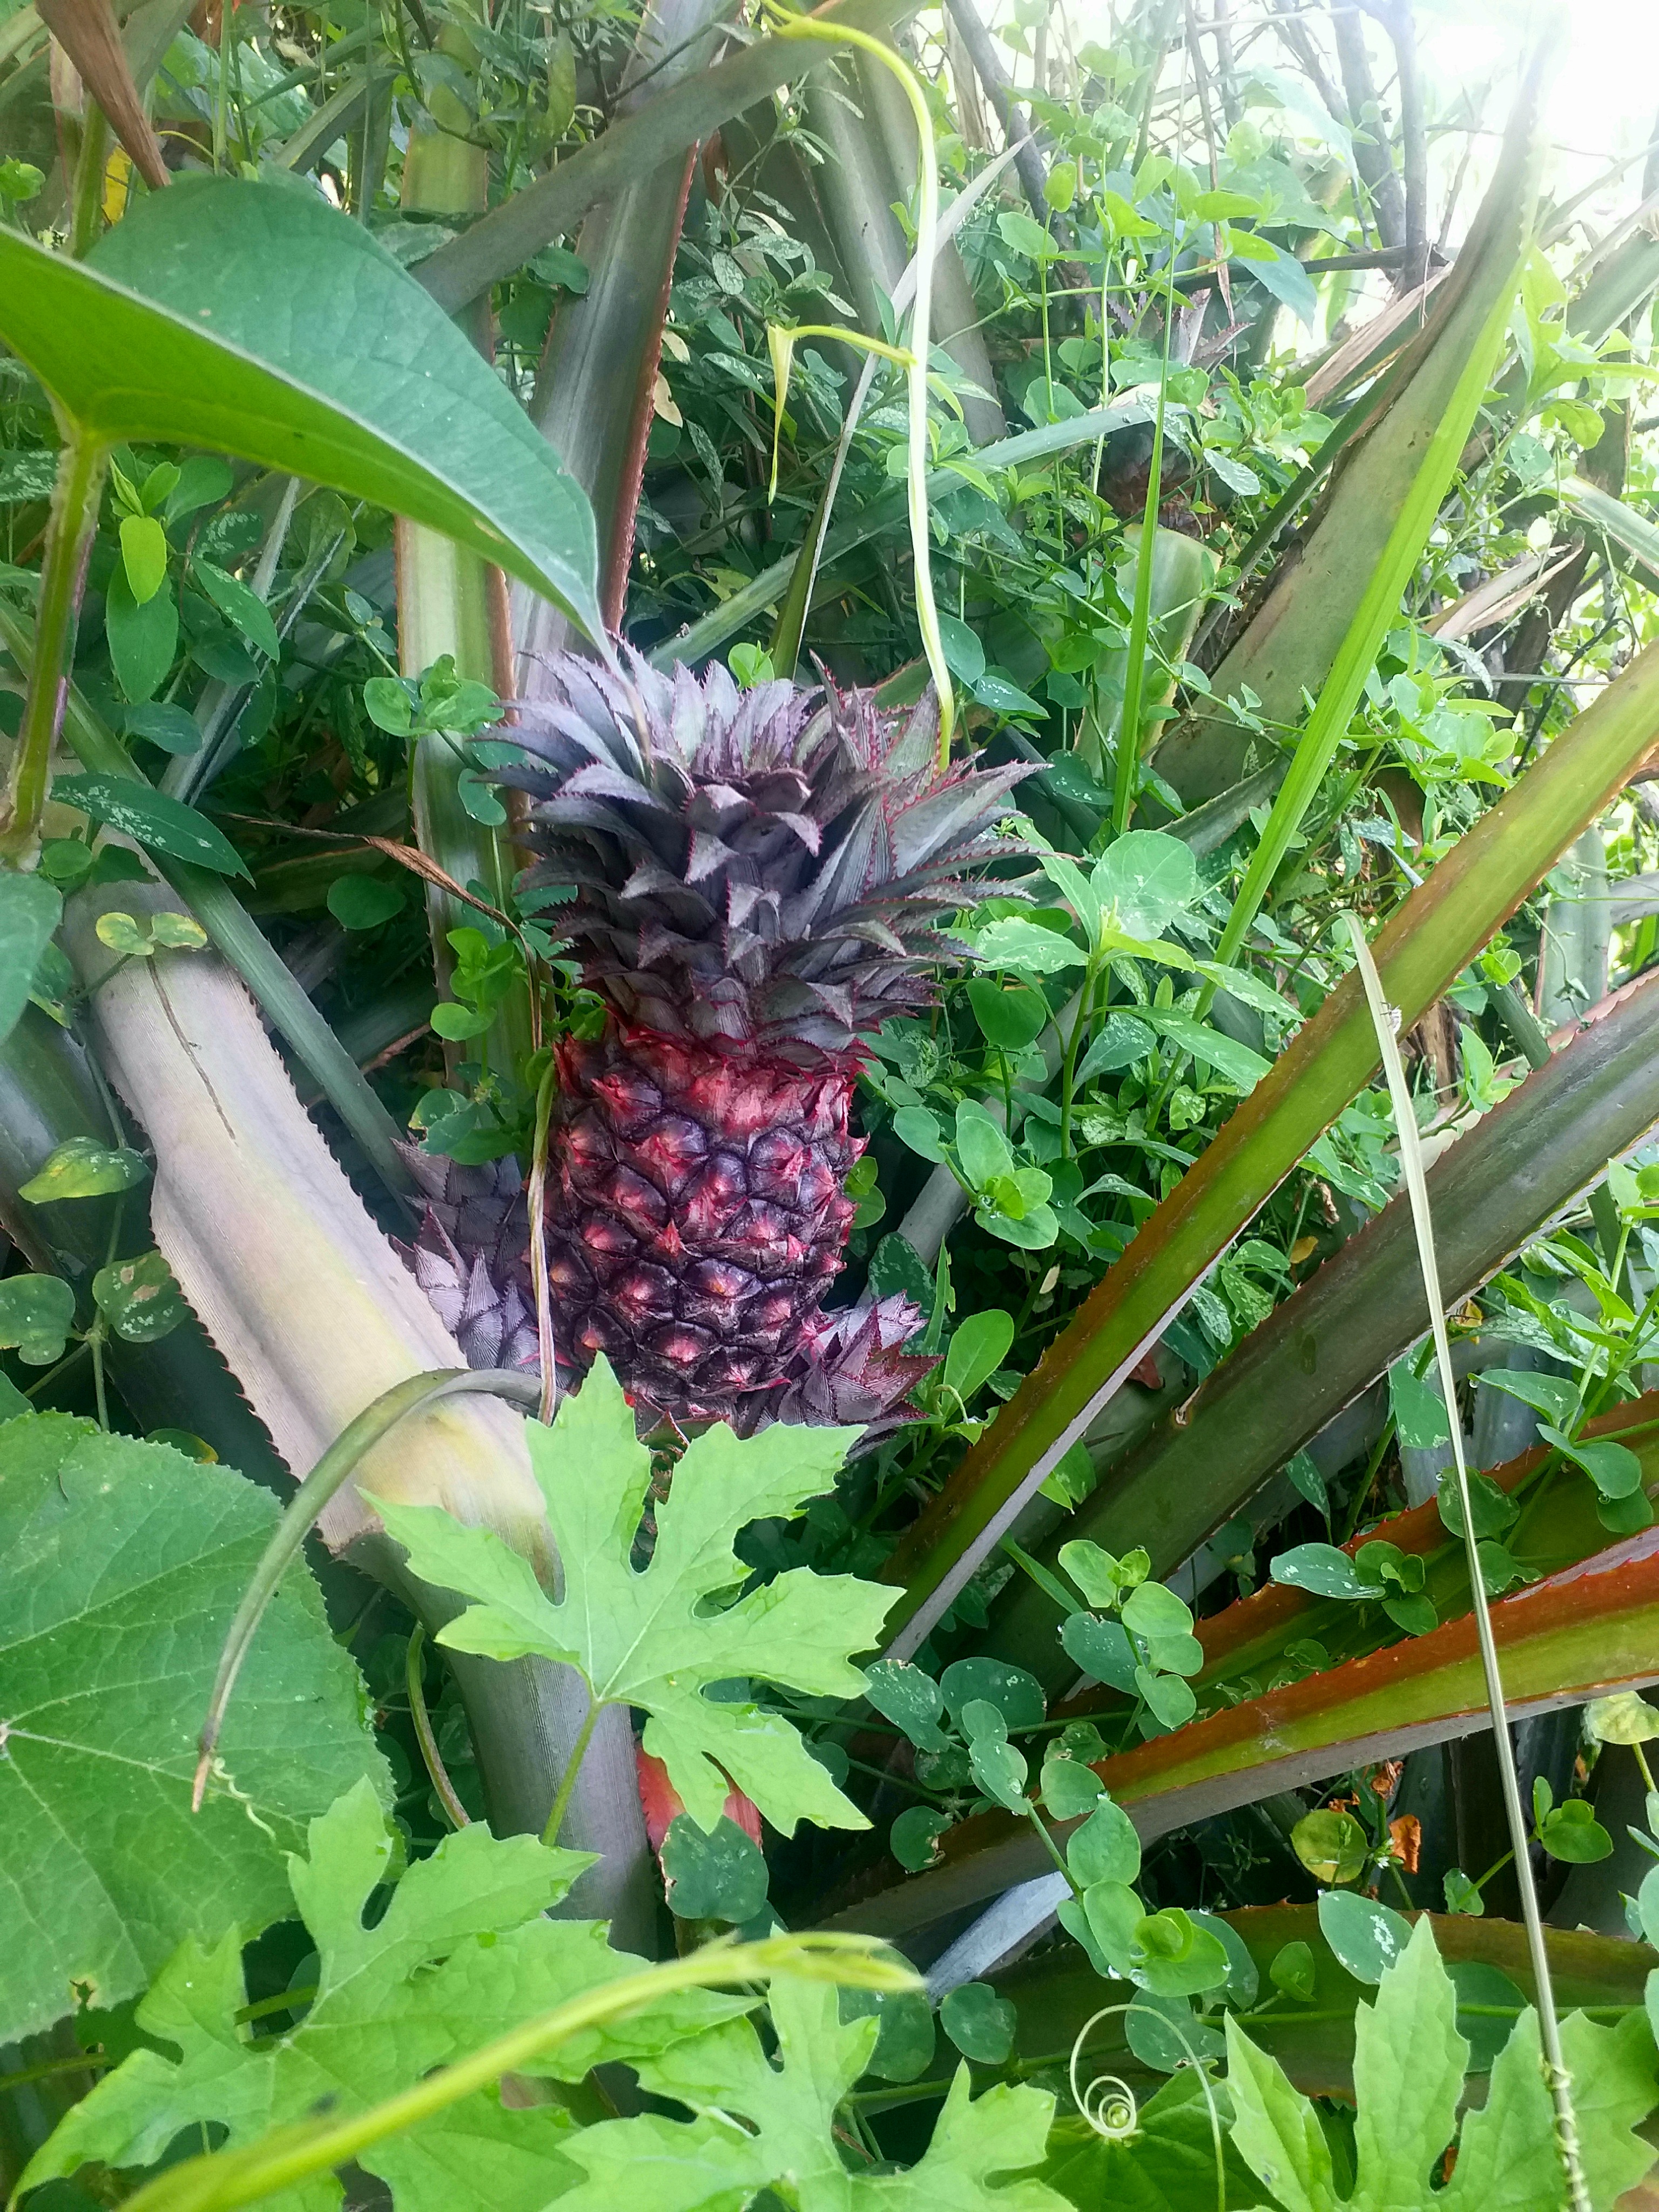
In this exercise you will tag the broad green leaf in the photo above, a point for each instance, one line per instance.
(982, 1148)
(121, 1563)
(1550, 1394)
(1408, 2076)
(964, 656)
(1026, 947)
(144, 555)
(644, 1637)
(1010, 1020)
(908, 2038)
(203, 481)
(1146, 879)
(1419, 1409)
(1151, 1610)
(169, 728)
(1069, 1788)
(260, 322)
(152, 819)
(1105, 1848)
(1101, 1648)
(363, 901)
(919, 1130)
(30, 909)
(1332, 1845)
(978, 1348)
(1168, 2165)
(1325, 1570)
(1508, 2160)
(1283, 275)
(653, 2164)
(1169, 1701)
(914, 1837)
(1123, 1041)
(83, 1168)
(1104, 1581)
(1234, 1061)
(239, 606)
(143, 637)
(998, 1769)
(1613, 1468)
(1623, 1718)
(464, 1950)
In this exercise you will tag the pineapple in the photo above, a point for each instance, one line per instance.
(758, 876)
(471, 1259)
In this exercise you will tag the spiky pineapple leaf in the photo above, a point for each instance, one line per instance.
(653, 1637)
(1408, 2076)
(463, 1952)
(121, 1563)
(657, 2165)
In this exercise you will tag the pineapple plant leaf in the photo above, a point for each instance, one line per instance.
(649, 1637)
(659, 2165)
(759, 877)
(466, 1948)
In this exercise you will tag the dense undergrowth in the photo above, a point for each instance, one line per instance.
(1097, 1638)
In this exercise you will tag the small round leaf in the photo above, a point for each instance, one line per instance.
(36, 1313)
(980, 2023)
(364, 902)
(718, 1877)
(83, 1168)
(139, 1298)
(1367, 1937)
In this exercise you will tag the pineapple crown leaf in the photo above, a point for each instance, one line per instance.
(766, 867)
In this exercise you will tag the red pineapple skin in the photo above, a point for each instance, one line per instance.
(697, 1216)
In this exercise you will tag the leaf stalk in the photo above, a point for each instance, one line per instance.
(81, 466)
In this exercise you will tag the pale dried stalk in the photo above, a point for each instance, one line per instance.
(317, 1317)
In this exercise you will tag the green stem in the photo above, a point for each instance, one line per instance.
(332, 1473)
(1053, 1848)
(1385, 1020)
(1068, 1073)
(572, 1769)
(932, 643)
(49, 2070)
(89, 193)
(226, 2178)
(1134, 666)
(69, 542)
(437, 1772)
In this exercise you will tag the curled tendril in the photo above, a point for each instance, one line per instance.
(1108, 2104)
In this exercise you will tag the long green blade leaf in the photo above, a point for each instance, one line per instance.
(1432, 937)
(1547, 1140)
(1559, 1644)
(1379, 608)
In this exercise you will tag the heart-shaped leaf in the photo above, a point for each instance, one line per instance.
(259, 321)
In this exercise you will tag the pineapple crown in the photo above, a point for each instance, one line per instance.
(764, 868)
